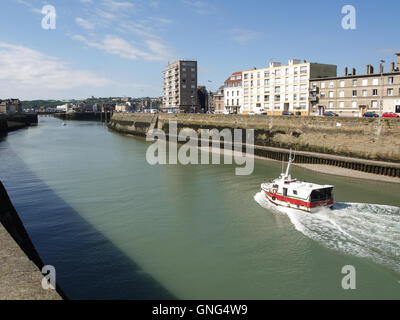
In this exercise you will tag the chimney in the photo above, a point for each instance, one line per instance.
(346, 71)
(353, 71)
(368, 69)
(398, 61)
(381, 68)
(392, 67)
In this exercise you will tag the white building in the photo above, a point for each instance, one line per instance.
(282, 88)
(233, 93)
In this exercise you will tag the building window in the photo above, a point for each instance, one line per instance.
(354, 93)
(390, 80)
(322, 85)
(342, 84)
(365, 82)
(354, 104)
(330, 105)
(374, 104)
(330, 94)
(390, 92)
(341, 104)
(322, 94)
(341, 94)
(266, 98)
(364, 93)
(331, 84)
(354, 83)
(374, 92)
(375, 82)
(266, 74)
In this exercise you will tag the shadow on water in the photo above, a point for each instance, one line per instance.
(340, 206)
(88, 265)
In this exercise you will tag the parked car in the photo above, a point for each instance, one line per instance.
(330, 114)
(287, 113)
(260, 111)
(370, 115)
(390, 115)
(251, 113)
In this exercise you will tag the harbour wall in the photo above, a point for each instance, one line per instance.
(20, 276)
(369, 145)
(84, 116)
(12, 122)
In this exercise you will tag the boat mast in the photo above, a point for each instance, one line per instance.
(291, 159)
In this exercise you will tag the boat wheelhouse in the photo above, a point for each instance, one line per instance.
(287, 192)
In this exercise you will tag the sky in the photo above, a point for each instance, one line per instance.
(107, 48)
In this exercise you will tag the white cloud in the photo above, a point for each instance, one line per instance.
(243, 36)
(24, 68)
(118, 5)
(200, 7)
(84, 23)
(124, 49)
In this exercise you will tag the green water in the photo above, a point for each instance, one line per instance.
(204, 233)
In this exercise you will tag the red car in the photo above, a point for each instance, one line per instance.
(390, 115)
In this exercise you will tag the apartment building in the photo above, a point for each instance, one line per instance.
(233, 93)
(10, 106)
(282, 88)
(180, 86)
(352, 95)
(218, 100)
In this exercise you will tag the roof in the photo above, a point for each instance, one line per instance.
(234, 74)
(356, 76)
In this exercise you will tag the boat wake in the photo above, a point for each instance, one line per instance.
(363, 230)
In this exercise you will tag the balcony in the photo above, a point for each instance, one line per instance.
(314, 89)
(313, 98)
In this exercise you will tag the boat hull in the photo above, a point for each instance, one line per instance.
(297, 204)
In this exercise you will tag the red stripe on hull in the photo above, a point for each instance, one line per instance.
(298, 202)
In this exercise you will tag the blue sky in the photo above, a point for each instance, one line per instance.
(120, 47)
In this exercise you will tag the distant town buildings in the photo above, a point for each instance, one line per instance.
(352, 95)
(180, 86)
(10, 106)
(218, 100)
(282, 88)
(233, 93)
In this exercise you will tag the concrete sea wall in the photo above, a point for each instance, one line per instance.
(84, 116)
(14, 122)
(20, 263)
(369, 145)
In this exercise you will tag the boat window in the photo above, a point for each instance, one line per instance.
(295, 192)
(321, 194)
(275, 186)
(285, 192)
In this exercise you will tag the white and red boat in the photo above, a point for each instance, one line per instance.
(306, 196)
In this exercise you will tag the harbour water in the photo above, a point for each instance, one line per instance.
(116, 227)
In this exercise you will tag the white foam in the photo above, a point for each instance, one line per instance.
(364, 230)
